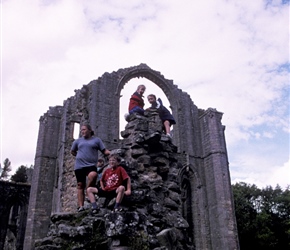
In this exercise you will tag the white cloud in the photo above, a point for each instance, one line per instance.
(226, 55)
(269, 176)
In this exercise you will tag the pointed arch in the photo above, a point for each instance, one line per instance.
(144, 71)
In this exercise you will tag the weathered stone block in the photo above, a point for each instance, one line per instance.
(170, 203)
(152, 178)
(160, 161)
(144, 159)
(138, 152)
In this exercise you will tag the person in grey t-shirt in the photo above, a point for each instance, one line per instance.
(86, 151)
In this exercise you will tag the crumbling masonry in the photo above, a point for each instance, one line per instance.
(197, 161)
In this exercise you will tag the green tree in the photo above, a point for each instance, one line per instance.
(263, 217)
(20, 175)
(246, 213)
(5, 170)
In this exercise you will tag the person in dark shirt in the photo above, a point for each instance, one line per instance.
(164, 114)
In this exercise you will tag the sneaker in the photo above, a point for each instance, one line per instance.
(81, 209)
(95, 210)
(169, 136)
(118, 209)
(126, 116)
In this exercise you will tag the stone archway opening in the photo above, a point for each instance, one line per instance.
(129, 88)
(187, 201)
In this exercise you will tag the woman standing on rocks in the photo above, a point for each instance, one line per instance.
(86, 151)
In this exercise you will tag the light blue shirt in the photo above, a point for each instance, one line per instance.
(87, 151)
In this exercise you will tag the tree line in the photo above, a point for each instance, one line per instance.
(262, 215)
(23, 174)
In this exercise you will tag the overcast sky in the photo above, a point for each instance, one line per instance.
(228, 55)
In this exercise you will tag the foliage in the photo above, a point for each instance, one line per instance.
(23, 174)
(20, 175)
(263, 217)
(5, 170)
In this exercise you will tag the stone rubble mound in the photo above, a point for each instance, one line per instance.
(152, 215)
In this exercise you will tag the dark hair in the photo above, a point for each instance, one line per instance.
(89, 128)
(152, 96)
(101, 161)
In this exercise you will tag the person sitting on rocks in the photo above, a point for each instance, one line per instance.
(115, 182)
(164, 114)
(136, 103)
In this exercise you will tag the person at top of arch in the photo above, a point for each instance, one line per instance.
(164, 114)
(136, 103)
(86, 151)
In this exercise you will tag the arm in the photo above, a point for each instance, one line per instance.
(159, 102)
(102, 180)
(74, 148)
(106, 151)
(128, 188)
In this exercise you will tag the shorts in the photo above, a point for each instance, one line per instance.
(82, 173)
(108, 194)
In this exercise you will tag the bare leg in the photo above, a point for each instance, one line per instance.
(81, 195)
(167, 127)
(120, 194)
(91, 191)
(92, 177)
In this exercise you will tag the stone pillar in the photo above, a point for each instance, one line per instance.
(223, 232)
(40, 202)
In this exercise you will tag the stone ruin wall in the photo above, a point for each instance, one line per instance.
(198, 135)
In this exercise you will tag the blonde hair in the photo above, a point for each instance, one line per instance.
(140, 86)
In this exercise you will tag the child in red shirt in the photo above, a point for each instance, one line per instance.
(115, 182)
(136, 103)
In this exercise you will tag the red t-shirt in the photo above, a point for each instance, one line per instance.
(113, 178)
